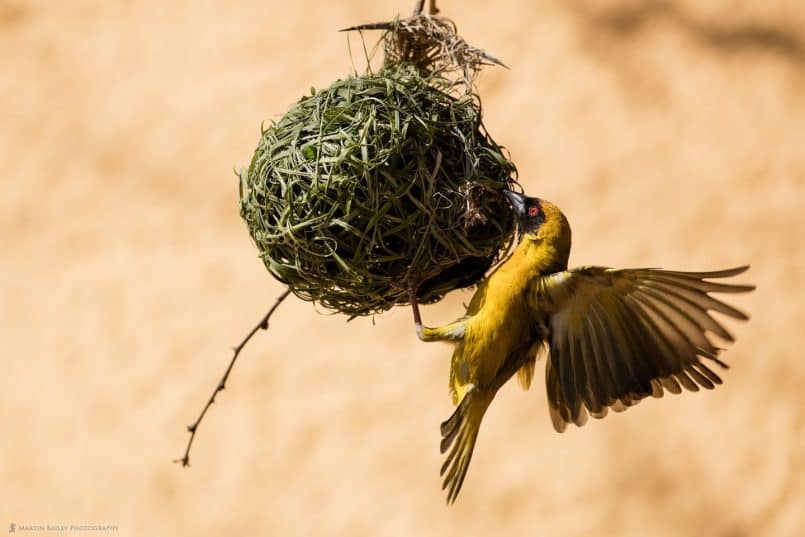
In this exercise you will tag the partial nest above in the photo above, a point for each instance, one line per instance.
(433, 45)
(380, 181)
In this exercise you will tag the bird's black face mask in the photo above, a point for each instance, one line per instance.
(528, 210)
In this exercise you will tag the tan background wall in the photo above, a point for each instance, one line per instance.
(671, 133)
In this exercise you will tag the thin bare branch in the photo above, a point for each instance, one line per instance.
(369, 26)
(262, 325)
(420, 6)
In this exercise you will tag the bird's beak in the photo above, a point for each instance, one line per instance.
(517, 202)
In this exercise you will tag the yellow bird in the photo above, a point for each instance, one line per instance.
(612, 336)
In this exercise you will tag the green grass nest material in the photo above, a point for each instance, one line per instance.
(378, 181)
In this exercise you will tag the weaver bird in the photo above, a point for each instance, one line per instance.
(613, 337)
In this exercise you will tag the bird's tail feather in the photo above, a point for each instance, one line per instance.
(526, 372)
(459, 433)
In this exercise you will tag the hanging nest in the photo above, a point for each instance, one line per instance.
(378, 182)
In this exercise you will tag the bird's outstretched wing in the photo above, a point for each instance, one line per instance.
(617, 336)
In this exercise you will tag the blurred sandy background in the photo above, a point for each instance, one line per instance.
(672, 134)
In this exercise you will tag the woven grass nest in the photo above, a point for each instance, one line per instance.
(380, 181)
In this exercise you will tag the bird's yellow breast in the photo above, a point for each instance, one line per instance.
(498, 323)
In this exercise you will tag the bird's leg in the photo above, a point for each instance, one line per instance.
(449, 332)
(410, 289)
(415, 308)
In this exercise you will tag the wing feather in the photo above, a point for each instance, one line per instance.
(581, 349)
(618, 336)
(627, 356)
(707, 372)
(643, 345)
(680, 320)
(595, 385)
(700, 379)
(606, 350)
(705, 300)
(564, 370)
(696, 310)
(656, 326)
(558, 410)
(605, 381)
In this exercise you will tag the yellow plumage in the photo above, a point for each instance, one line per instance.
(614, 336)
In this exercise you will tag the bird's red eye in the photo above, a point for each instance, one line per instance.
(533, 211)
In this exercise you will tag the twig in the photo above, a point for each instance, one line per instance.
(420, 5)
(262, 325)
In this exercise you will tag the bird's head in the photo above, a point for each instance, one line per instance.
(542, 222)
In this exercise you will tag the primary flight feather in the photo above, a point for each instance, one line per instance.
(613, 337)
